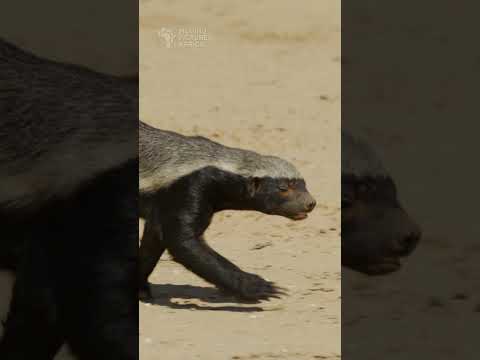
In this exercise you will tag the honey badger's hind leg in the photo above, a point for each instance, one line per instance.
(151, 249)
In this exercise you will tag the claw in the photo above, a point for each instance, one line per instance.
(256, 288)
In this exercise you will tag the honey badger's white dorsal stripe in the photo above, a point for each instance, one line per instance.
(166, 156)
(359, 158)
(60, 126)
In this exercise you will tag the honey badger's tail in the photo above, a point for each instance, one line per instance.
(60, 126)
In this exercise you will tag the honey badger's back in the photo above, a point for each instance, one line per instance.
(60, 126)
(166, 156)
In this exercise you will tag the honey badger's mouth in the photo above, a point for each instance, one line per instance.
(299, 216)
(379, 266)
(383, 266)
(292, 214)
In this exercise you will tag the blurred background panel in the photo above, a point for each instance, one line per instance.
(102, 35)
(410, 87)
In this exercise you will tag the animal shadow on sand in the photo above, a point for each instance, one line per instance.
(163, 295)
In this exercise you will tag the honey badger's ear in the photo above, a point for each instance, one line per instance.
(253, 184)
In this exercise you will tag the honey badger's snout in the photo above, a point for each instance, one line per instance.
(308, 202)
(285, 197)
(375, 237)
(408, 237)
(298, 204)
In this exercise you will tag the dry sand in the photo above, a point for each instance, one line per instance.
(268, 79)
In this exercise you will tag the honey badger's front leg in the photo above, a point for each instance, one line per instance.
(195, 254)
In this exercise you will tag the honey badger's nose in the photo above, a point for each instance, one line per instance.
(310, 205)
(408, 243)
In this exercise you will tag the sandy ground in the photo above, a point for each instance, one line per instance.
(267, 77)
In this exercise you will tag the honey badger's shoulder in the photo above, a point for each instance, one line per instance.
(167, 156)
(60, 126)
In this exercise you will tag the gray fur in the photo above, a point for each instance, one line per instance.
(359, 159)
(60, 126)
(166, 156)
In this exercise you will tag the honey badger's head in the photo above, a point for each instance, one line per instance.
(277, 188)
(281, 196)
(376, 230)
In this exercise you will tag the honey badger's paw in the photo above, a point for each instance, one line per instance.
(253, 288)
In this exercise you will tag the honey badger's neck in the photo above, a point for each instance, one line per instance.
(60, 126)
(166, 156)
(208, 190)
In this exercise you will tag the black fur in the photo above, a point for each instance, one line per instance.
(177, 217)
(76, 282)
(61, 125)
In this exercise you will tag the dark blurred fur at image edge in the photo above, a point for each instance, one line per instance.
(69, 174)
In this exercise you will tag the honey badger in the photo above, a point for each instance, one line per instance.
(185, 180)
(376, 230)
(60, 126)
